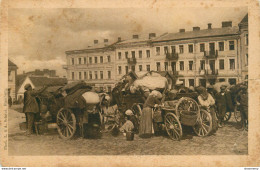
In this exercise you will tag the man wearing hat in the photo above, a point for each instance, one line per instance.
(242, 100)
(224, 103)
(30, 107)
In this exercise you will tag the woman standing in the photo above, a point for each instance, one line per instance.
(146, 120)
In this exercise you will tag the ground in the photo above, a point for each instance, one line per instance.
(229, 140)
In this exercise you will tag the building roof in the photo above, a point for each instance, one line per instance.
(43, 81)
(11, 64)
(198, 34)
(245, 19)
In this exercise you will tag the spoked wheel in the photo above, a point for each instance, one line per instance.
(187, 104)
(204, 125)
(173, 126)
(66, 123)
(237, 114)
(227, 116)
(137, 110)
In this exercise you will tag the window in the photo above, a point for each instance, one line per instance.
(246, 60)
(126, 54)
(119, 70)
(173, 48)
(140, 54)
(158, 50)
(126, 69)
(202, 47)
(85, 75)
(72, 76)
(109, 74)
(181, 49)
(181, 65)
(119, 55)
(166, 66)
(190, 48)
(108, 59)
(221, 46)
(173, 64)
(158, 66)
(165, 50)
(222, 80)
(90, 60)
(203, 82)
(72, 61)
(133, 54)
(79, 60)
(10, 78)
(80, 76)
(85, 60)
(90, 75)
(202, 64)
(190, 65)
(133, 68)
(96, 60)
(221, 64)
(101, 59)
(232, 64)
(231, 45)
(232, 81)
(96, 75)
(246, 39)
(140, 68)
(101, 74)
(148, 53)
(191, 82)
(148, 68)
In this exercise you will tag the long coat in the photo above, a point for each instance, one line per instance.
(224, 101)
(30, 103)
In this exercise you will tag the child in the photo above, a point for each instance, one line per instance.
(128, 125)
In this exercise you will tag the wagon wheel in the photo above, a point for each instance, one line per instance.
(137, 110)
(66, 123)
(173, 126)
(227, 116)
(204, 125)
(187, 104)
(237, 114)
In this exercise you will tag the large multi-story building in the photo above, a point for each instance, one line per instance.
(95, 65)
(197, 57)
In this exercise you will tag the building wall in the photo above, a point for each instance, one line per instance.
(244, 52)
(21, 90)
(11, 83)
(86, 66)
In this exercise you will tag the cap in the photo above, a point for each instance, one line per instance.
(27, 86)
(129, 112)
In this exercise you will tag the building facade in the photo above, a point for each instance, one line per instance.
(197, 57)
(95, 65)
(12, 73)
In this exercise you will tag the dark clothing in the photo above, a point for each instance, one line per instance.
(213, 93)
(224, 104)
(30, 123)
(151, 101)
(30, 103)
(242, 98)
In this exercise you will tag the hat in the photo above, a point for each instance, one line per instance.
(27, 86)
(223, 87)
(156, 93)
(201, 89)
(129, 112)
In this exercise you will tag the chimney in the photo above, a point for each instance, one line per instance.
(95, 41)
(152, 35)
(135, 36)
(182, 30)
(196, 28)
(226, 24)
(119, 39)
(209, 25)
(105, 40)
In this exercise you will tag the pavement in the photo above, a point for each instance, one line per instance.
(229, 140)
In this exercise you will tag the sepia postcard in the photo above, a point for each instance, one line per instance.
(130, 83)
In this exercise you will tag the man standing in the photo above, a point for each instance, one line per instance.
(31, 107)
(242, 100)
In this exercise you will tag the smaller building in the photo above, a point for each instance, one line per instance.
(44, 72)
(12, 72)
(36, 83)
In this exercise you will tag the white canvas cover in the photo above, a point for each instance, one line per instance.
(152, 82)
(91, 97)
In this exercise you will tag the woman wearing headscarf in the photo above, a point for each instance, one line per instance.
(31, 107)
(146, 120)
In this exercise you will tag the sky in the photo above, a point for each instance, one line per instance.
(38, 38)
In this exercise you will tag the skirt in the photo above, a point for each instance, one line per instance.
(146, 122)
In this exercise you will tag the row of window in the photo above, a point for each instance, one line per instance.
(89, 60)
(133, 54)
(212, 65)
(203, 82)
(90, 75)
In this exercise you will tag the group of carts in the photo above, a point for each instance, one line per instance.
(69, 112)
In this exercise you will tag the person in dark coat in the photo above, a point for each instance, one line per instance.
(31, 107)
(224, 103)
(242, 100)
